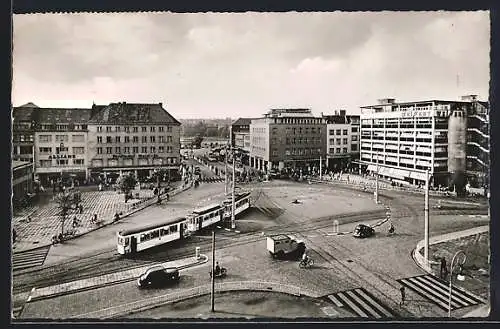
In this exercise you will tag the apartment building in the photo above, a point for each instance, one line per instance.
(60, 144)
(343, 139)
(408, 139)
(287, 138)
(23, 132)
(129, 137)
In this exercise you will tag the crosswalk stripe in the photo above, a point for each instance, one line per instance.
(457, 293)
(353, 306)
(335, 300)
(443, 298)
(445, 291)
(430, 287)
(29, 258)
(365, 306)
(374, 303)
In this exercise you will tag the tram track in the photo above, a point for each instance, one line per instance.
(109, 261)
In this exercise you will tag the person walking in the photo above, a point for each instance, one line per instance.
(403, 295)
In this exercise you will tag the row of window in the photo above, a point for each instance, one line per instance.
(62, 127)
(126, 129)
(135, 149)
(301, 140)
(61, 138)
(340, 141)
(300, 151)
(342, 131)
(22, 138)
(135, 139)
(160, 232)
(300, 130)
(337, 150)
(61, 162)
(130, 162)
(48, 150)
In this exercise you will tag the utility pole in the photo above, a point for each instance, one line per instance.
(320, 168)
(225, 170)
(426, 219)
(213, 272)
(233, 223)
(376, 184)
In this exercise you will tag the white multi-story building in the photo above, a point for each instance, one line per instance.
(409, 139)
(342, 142)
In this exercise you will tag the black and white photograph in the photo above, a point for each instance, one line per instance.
(250, 166)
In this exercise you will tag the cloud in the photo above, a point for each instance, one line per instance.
(242, 64)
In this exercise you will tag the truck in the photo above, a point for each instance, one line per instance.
(285, 246)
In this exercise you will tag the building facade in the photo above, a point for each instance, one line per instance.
(61, 144)
(240, 134)
(23, 132)
(138, 138)
(408, 139)
(343, 139)
(22, 179)
(287, 138)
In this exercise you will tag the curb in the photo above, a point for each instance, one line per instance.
(203, 259)
(101, 226)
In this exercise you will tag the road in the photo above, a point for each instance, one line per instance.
(342, 262)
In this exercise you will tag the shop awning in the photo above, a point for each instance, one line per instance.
(417, 175)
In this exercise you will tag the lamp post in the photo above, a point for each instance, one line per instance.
(376, 184)
(426, 219)
(460, 262)
(212, 303)
(233, 223)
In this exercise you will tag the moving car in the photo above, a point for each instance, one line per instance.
(282, 245)
(158, 276)
(363, 231)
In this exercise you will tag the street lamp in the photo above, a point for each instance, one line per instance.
(213, 273)
(460, 276)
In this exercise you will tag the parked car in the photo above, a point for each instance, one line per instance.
(158, 276)
(282, 245)
(363, 231)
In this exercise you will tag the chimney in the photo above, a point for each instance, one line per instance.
(161, 104)
(386, 101)
(342, 113)
(469, 98)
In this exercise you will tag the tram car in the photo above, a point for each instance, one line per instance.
(142, 238)
(241, 203)
(145, 237)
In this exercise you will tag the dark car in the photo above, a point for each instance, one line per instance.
(363, 231)
(158, 276)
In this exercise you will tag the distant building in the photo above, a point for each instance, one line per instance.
(343, 138)
(287, 138)
(450, 139)
(22, 179)
(138, 138)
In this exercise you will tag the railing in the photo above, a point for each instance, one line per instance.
(140, 305)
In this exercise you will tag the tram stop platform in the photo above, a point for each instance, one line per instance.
(107, 279)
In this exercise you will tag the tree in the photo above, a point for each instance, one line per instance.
(197, 141)
(64, 204)
(126, 184)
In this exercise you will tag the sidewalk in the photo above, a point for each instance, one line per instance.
(105, 280)
(45, 222)
(482, 311)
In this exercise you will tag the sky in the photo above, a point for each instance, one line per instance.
(243, 64)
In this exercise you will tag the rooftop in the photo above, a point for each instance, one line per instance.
(120, 113)
(242, 122)
(62, 115)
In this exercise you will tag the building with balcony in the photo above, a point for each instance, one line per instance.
(60, 147)
(342, 142)
(129, 137)
(23, 132)
(287, 138)
(408, 139)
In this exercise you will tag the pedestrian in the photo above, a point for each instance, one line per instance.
(81, 209)
(403, 295)
(443, 272)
